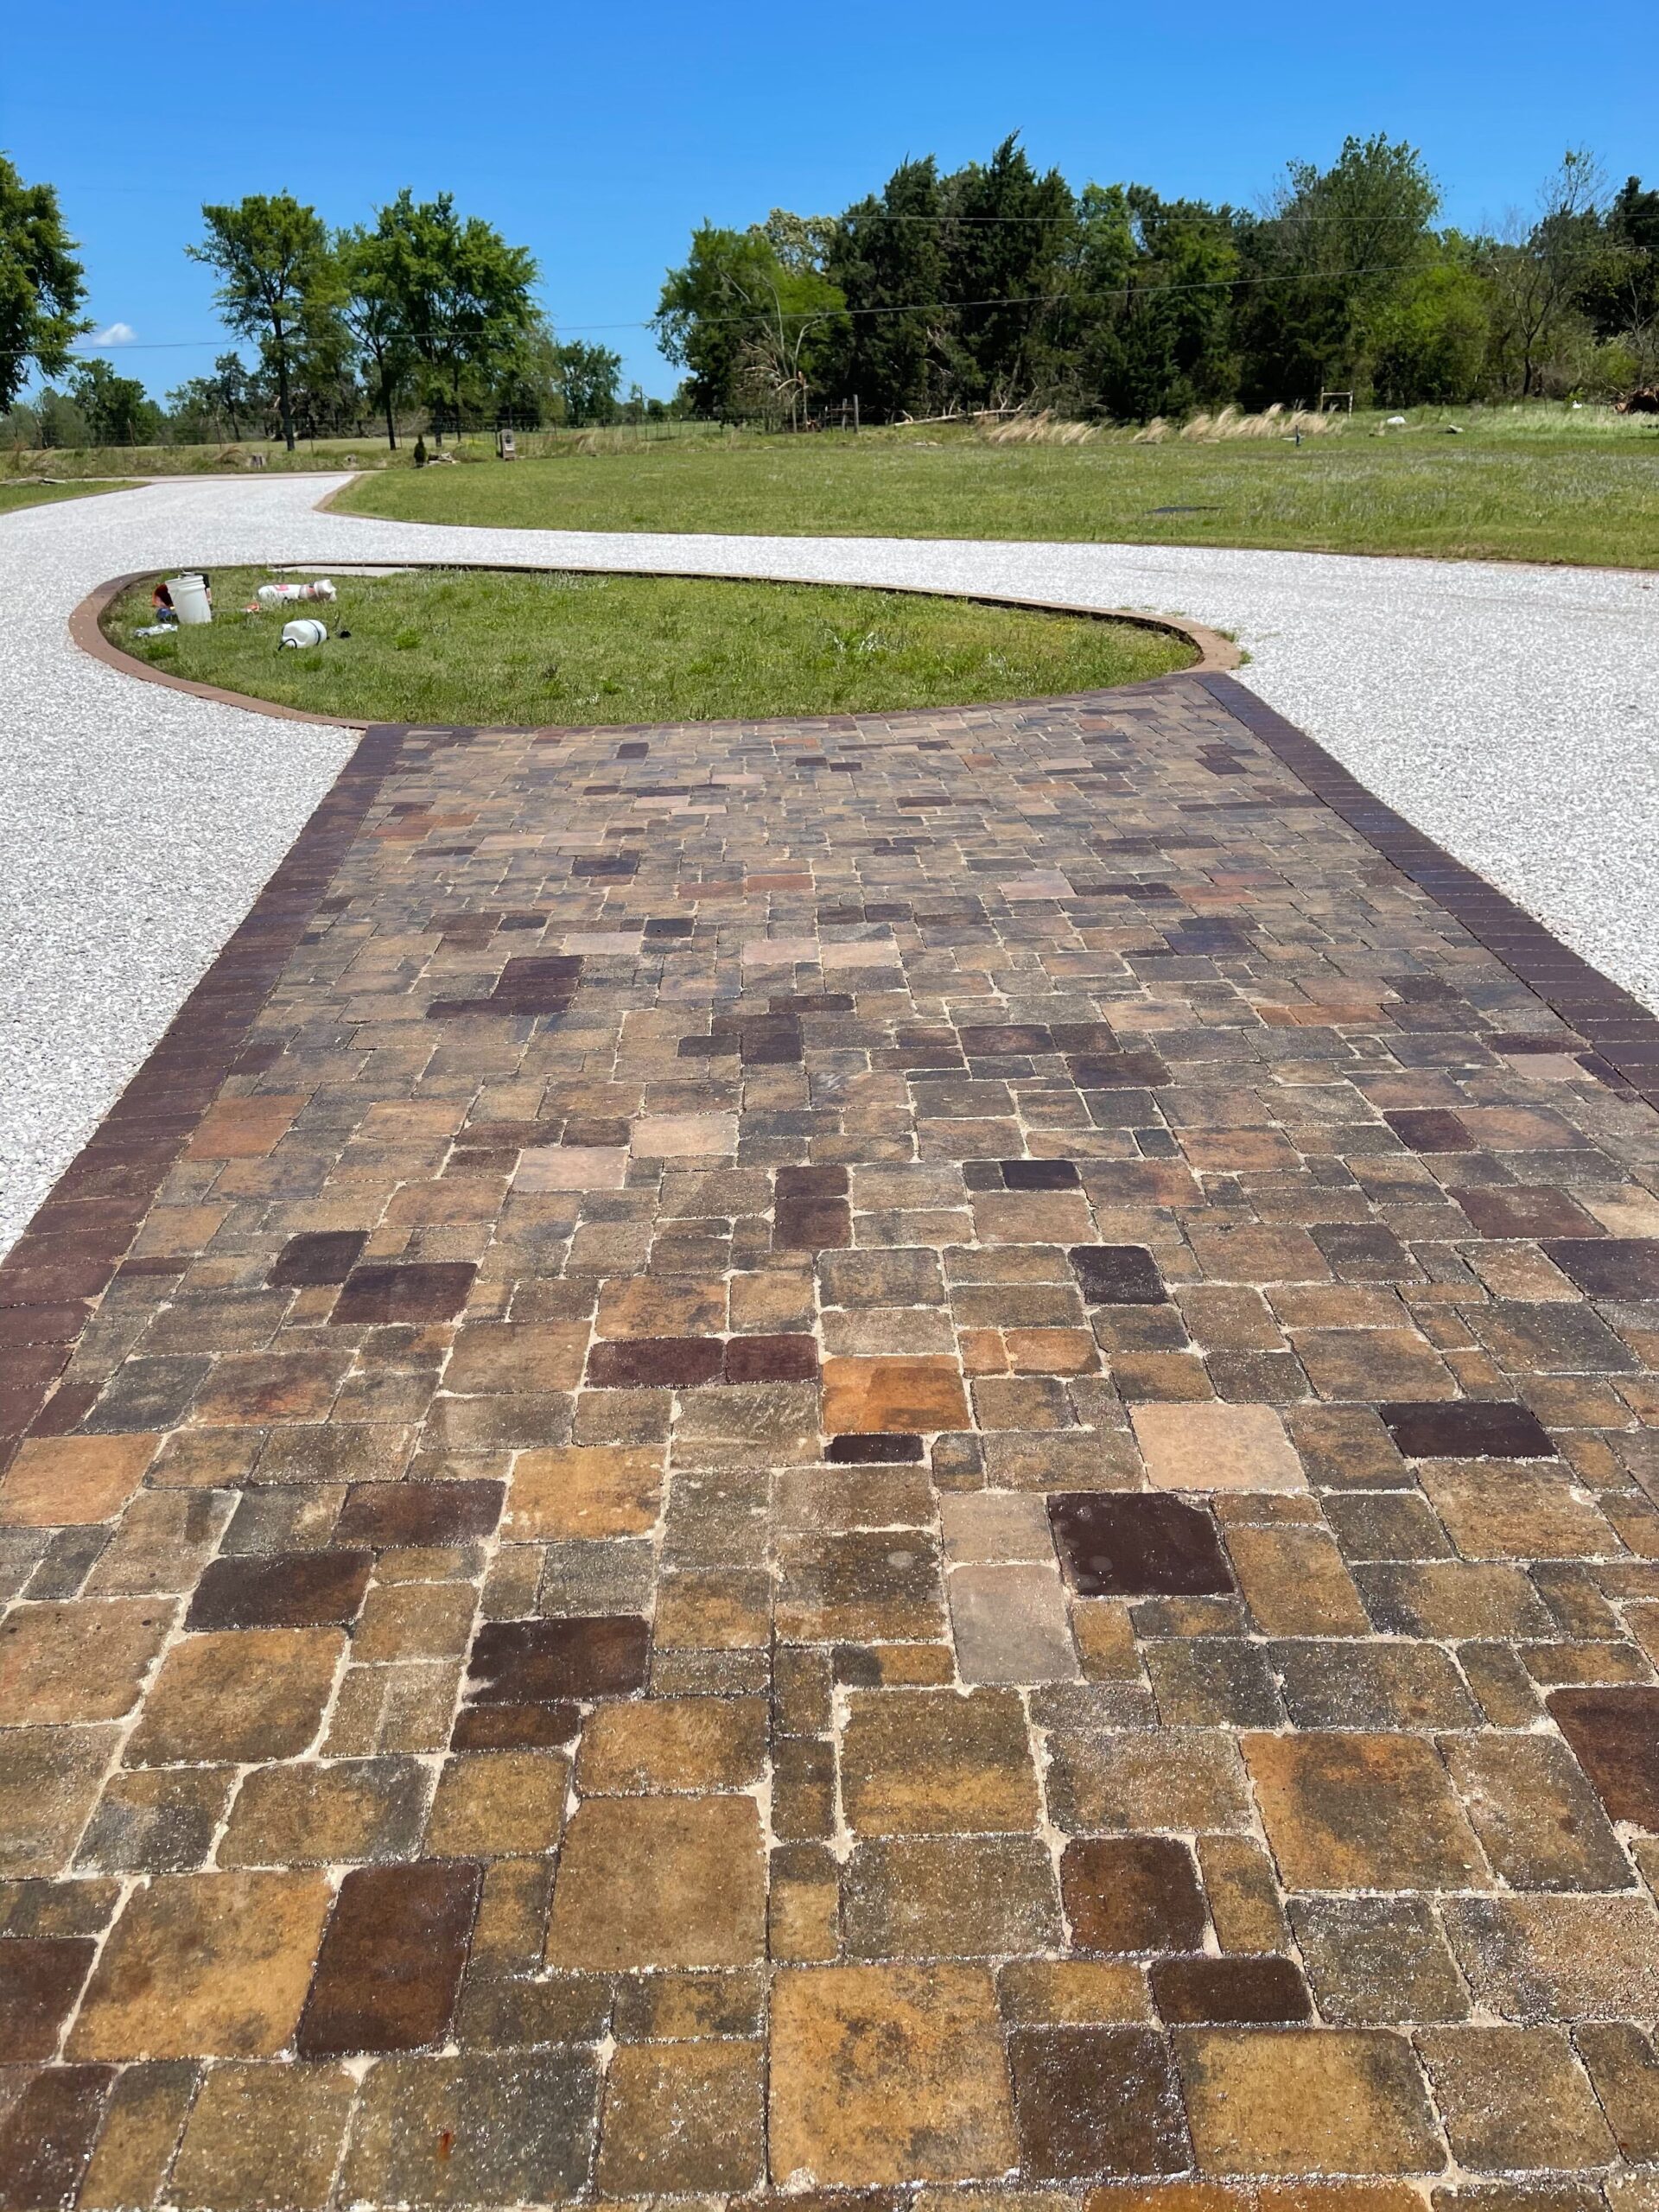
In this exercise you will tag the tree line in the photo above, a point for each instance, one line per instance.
(994, 286)
(423, 307)
(991, 286)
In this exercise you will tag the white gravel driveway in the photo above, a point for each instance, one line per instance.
(1512, 713)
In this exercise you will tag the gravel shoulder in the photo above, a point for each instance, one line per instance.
(1512, 713)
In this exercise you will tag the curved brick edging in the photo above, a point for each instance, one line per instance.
(1215, 654)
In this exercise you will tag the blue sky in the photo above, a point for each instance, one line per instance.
(598, 136)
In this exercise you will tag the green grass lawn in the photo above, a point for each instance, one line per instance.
(1515, 485)
(18, 493)
(449, 646)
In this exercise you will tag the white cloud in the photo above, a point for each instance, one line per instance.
(118, 333)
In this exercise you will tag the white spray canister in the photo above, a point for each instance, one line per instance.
(291, 595)
(190, 601)
(308, 631)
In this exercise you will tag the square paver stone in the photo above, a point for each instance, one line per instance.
(1614, 1733)
(494, 2127)
(683, 1137)
(1350, 1811)
(1214, 1446)
(572, 1168)
(884, 2075)
(57, 1482)
(1010, 1625)
(881, 1396)
(1095, 2100)
(50, 1781)
(1515, 2097)
(931, 1762)
(1117, 1275)
(40, 1979)
(660, 1882)
(258, 2135)
(950, 1896)
(392, 1960)
(48, 2130)
(1558, 1957)
(1306, 2101)
(595, 1490)
(205, 1965)
(81, 1659)
(539, 1663)
(238, 1695)
(1117, 1544)
(684, 2117)
(1132, 1893)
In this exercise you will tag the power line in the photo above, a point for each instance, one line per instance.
(922, 306)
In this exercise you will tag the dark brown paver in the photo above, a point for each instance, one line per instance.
(1071, 1316)
(391, 1960)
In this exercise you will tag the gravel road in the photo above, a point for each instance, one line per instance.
(1512, 713)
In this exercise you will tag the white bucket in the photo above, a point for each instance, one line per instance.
(190, 600)
(306, 632)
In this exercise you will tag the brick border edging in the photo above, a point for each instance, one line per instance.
(76, 1244)
(1217, 653)
(1621, 1033)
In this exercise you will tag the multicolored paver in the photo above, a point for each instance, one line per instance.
(846, 1457)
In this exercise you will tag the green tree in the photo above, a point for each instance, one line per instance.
(1430, 338)
(272, 255)
(887, 259)
(1009, 234)
(1538, 279)
(1332, 248)
(1170, 350)
(1621, 296)
(62, 425)
(753, 331)
(370, 311)
(117, 409)
(40, 288)
(327, 397)
(224, 401)
(588, 378)
(463, 295)
(525, 390)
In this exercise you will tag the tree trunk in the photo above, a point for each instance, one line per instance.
(392, 427)
(284, 402)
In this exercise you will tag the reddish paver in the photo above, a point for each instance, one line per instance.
(835, 1455)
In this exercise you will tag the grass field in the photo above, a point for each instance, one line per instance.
(449, 646)
(1516, 485)
(15, 494)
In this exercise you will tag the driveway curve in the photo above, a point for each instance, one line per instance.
(1511, 713)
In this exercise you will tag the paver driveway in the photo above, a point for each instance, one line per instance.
(839, 1455)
